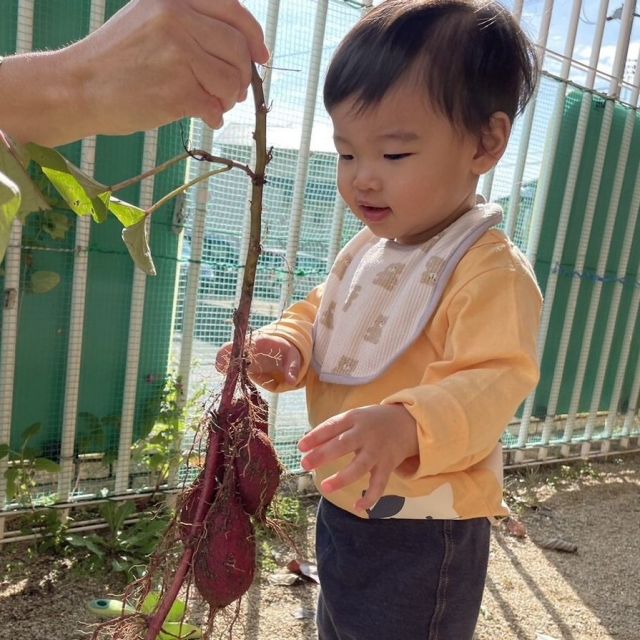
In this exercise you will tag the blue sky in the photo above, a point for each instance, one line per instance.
(560, 18)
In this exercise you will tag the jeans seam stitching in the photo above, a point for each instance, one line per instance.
(441, 598)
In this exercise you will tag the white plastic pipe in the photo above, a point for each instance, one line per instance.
(488, 179)
(565, 211)
(516, 183)
(136, 318)
(596, 181)
(11, 294)
(270, 36)
(629, 420)
(78, 299)
(194, 267)
(302, 170)
(304, 150)
(605, 352)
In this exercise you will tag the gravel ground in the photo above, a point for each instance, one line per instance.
(532, 593)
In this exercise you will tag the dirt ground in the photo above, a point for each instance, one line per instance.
(532, 593)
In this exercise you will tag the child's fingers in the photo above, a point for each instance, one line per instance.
(325, 431)
(377, 484)
(358, 467)
(291, 365)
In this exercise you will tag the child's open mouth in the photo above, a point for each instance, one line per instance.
(374, 214)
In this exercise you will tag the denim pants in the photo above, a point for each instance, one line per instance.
(391, 579)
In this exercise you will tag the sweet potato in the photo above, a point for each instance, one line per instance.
(257, 473)
(260, 409)
(189, 505)
(224, 562)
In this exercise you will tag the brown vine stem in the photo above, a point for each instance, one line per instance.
(238, 362)
(241, 316)
(147, 174)
(196, 154)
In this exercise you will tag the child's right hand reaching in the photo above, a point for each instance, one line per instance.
(272, 358)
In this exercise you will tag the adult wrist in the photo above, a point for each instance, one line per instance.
(40, 99)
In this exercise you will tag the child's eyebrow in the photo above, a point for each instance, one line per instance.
(400, 136)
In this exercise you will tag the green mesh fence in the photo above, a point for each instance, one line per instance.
(44, 316)
(48, 246)
(227, 211)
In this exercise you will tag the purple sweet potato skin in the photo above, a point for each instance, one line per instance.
(224, 562)
(257, 473)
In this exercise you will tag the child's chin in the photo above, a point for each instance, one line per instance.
(380, 233)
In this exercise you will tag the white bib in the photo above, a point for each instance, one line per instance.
(380, 295)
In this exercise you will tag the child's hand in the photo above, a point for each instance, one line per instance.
(271, 356)
(382, 437)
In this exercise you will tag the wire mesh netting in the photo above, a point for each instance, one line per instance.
(224, 243)
(590, 380)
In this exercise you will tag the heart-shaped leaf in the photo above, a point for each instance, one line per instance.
(56, 223)
(128, 214)
(9, 206)
(137, 241)
(44, 281)
(13, 160)
(84, 195)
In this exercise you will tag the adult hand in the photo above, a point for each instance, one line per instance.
(271, 357)
(382, 437)
(153, 62)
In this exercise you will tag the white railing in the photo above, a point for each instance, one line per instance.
(305, 217)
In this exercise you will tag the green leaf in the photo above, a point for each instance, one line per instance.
(84, 195)
(128, 214)
(4, 450)
(12, 474)
(43, 281)
(115, 514)
(92, 543)
(30, 432)
(9, 206)
(44, 464)
(56, 224)
(137, 241)
(13, 162)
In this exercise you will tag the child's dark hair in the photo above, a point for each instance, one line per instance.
(470, 56)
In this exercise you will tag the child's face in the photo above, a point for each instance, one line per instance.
(404, 170)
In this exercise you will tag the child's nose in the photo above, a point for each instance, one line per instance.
(366, 179)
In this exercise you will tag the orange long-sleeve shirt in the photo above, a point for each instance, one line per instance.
(462, 380)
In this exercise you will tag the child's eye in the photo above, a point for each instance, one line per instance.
(345, 156)
(396, 156)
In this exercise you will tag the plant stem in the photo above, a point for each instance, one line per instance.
(147, 174)
(201, 155)
(241, 321)
(182, 188)
(197, 154)
(237, 363)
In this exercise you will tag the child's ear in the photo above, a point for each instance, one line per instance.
(492, 142)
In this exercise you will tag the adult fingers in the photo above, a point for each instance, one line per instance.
(238, 16)
(221, 64)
